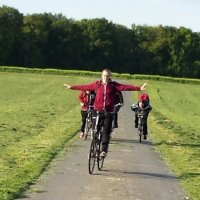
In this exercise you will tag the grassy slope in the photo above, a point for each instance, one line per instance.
(38, 116)
(175, 129)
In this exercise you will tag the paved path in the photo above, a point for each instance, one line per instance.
(132, 171)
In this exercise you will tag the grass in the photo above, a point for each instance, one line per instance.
(175, 130)
(38, 116)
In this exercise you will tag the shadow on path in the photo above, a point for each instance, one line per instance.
(130, 141)
(143, 175)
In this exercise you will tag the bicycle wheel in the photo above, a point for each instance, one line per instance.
(140, 129)
(140, 136)
(86, 131)
(100, 160)
(92, 157)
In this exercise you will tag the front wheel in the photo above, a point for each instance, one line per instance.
(140, 129)
(92, 157)
(140, 136)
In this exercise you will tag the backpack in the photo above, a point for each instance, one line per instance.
(92, 96)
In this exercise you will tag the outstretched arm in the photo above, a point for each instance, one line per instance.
(89, 87)
(124, 87)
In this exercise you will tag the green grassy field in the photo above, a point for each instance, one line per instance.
(38, 117)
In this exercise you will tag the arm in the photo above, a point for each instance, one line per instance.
(89, 87)
(123, 87)
(80, 97)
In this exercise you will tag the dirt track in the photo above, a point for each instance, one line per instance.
(132, 171)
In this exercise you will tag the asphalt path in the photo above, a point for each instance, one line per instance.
(132, 171)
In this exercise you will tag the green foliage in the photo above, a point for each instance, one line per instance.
(11, 22)
(57, 42)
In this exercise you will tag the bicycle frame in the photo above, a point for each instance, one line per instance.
(95, 147)
(141, 120)
(88, 124)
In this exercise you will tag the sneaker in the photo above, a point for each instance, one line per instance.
(81, 134)
(103, 154)
(136, 126)
(115, 125)
(145, 137)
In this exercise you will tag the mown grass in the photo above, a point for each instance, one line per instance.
(38, 116)
(175, 130)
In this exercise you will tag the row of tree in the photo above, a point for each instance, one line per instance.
(53, 41)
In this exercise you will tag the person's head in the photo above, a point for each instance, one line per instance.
(106, 75)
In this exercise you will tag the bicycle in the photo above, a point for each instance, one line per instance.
(88, 124)
(142, 117)
(96, 145)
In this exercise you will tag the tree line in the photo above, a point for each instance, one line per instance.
(53, 41)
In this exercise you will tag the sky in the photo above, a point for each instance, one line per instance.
(125, 12)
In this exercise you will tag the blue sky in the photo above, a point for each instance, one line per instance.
(125, 12)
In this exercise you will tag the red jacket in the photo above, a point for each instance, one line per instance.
(84, 98)
(105, 93)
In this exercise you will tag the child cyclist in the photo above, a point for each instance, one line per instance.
(86, 99)
(143, 103)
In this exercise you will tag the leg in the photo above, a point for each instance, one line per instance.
(145, 125)
(136, 120)
(106, 132)
(145, 128)
(115, 120)
(84, 116)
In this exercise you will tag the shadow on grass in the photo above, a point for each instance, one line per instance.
(189, 175)
(197, 145)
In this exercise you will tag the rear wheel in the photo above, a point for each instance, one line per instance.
(92, 157)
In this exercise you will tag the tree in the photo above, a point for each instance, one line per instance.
(11, 22)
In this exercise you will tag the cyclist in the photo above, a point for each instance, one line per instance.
(86, 99)
(144, 104)
(105, 100)
(119, 102)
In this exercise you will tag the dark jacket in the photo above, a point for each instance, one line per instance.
(119, 98)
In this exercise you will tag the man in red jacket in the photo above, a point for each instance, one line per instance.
(105, 100)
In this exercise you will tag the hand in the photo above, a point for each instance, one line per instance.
(82, 104)
(143, 86)
(67, 86)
